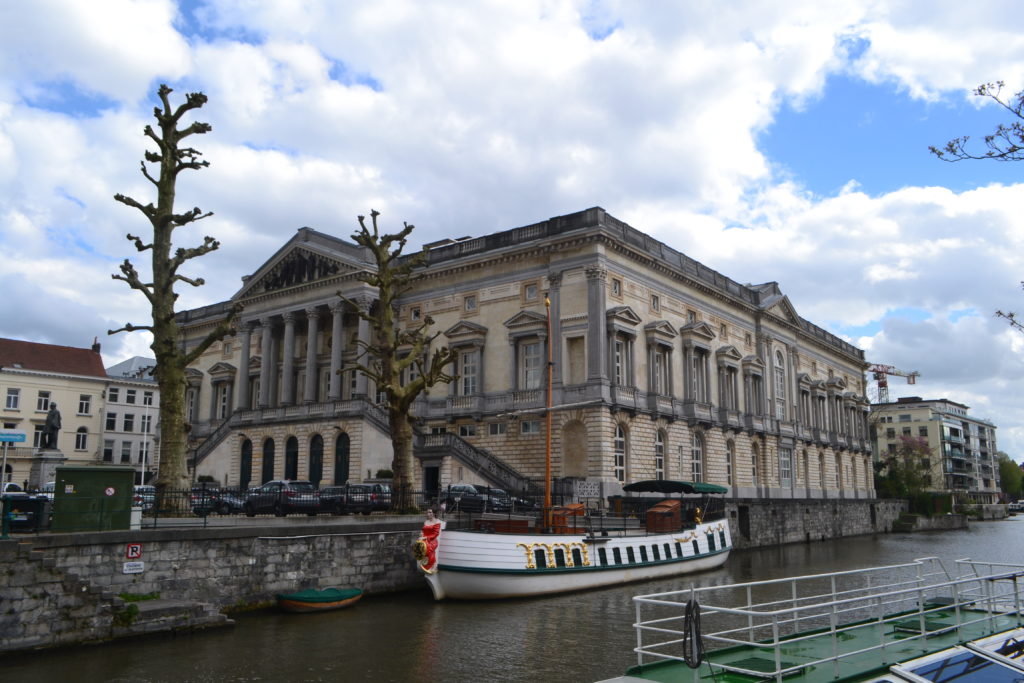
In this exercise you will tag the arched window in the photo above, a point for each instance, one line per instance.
(659, 455)
(821, 471)
(316, 459)
(754, 455)
(341, 458)
(82, 439)
(245, 466)
(807, 468)
(839, 472)
(780, 386)
(291, 458)
(730, 462)
(697, 458)
(268, 461)
(620, 453)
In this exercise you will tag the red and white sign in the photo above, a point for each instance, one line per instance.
(109, 491)
(133, 551)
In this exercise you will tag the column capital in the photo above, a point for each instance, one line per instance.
(288, 316)
(266, 321)
(596, 273)
(555, 279)
(312, 312)
(337, 307)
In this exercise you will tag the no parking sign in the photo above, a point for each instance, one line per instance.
(133, 551)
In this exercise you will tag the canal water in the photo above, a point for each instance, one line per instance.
(573, 638)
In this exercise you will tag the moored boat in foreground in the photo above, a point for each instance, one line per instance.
(318, 600)
(571, 548)
(919, 621)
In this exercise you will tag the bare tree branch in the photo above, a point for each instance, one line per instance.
(1006, 143)
(131, 328)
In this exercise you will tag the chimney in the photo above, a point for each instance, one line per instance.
(95, 344)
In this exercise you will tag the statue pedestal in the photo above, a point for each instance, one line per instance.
(44, 467)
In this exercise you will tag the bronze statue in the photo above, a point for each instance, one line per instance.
(52, 427)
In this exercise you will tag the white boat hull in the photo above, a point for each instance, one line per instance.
(473, 565)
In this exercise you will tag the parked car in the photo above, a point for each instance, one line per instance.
(382, 493)
(477, 498)
(230, 503)
(46, 491)
(204, 500)
(144, 496)
(348, 499)
(282, 497)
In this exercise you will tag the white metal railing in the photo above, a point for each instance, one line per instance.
(766, 615)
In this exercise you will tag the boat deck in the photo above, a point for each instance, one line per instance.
(851, 626)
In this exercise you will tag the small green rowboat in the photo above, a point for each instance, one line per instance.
(318, 600)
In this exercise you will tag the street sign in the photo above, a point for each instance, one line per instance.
(133, 567)
(11, 436)
(133, 551)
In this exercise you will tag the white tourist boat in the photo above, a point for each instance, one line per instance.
(571, 548)
(508, 556)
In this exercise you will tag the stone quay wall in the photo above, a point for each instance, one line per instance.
(61, 589)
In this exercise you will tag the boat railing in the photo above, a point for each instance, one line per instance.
(846, 614)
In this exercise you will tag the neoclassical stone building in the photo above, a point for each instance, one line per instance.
(662, 367)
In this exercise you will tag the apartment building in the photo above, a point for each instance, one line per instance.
(662, 368)
(963, 448)
(131, 417)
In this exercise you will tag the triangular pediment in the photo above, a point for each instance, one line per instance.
(465, 330)
(306, 258)
(729, 354)
(804, 380)
(781, 308)
(530, 319)
(837, 383)
(220, 369)
(623, 315)
(697, 331)
(753, 364)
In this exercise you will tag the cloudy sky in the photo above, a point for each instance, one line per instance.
(782, 141)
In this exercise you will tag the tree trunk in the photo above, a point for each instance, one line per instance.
(402, 463)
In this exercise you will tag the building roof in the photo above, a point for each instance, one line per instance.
(68, 360)
(136, 367)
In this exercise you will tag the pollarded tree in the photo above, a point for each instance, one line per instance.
(171, 358)
(395, 352)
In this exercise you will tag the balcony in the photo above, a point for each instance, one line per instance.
(755, 423)
(624, 396)
(729, 418)
(660, 405)
(695, 410)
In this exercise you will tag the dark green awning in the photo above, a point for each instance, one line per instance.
(672, 486)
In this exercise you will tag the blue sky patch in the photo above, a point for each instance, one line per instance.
(196, 20)
(341, 73)
(65, 97)
(878, 136)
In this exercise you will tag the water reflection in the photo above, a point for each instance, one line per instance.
(409, 637)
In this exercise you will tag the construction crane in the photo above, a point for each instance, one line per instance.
(881, 374)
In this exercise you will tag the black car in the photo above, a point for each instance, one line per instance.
(348, 499)
(204, 500)
(477, 498)
(283, 497)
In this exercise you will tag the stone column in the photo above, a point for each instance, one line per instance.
(555, 295)
(363, 335)
(313, 330)
(597, 351)
(267, 365)
(288, 364)
(242, 374)
(337, 345)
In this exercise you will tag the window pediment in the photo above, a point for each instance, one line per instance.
(465, 333)
(836, 383)
(222, 370)
(660, 332)
(753, 365)
(728, 355)
(804, 380)
(623, 315)
(699, 332)
(529, 319)
(193, 377)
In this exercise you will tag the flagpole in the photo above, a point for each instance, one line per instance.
(547, 429)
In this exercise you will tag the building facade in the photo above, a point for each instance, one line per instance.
(662, 368)
(34, 377)
(131, 417)
(963, 448)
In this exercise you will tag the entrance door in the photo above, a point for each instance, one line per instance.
(431, 482)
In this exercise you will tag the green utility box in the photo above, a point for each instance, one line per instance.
(92, 498)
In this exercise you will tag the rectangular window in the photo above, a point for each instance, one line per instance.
(81, 439)
(922, 431)
(890, 433)
(414, 313)
(785, 467)
(467, 430)
(143, 452)
(905, 418)
(530, 362)
(129, 422)
(531, 427)
(108, 450)
(147, 398)
(222, 400)
(436, 431)
(661, 371)
(496, 428)
(111, 422)
(468, 372)
(13, 399)
(114, 395)
(43, 401)
(146, 424)
(906, 431)
(84, 404)
(620, 361)
(616, 287)
(469, 303)
(655, 302)
(37, 437)
(129, 396)
(126, 452)
(530, 291)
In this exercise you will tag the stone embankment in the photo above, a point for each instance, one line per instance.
(62, 589)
